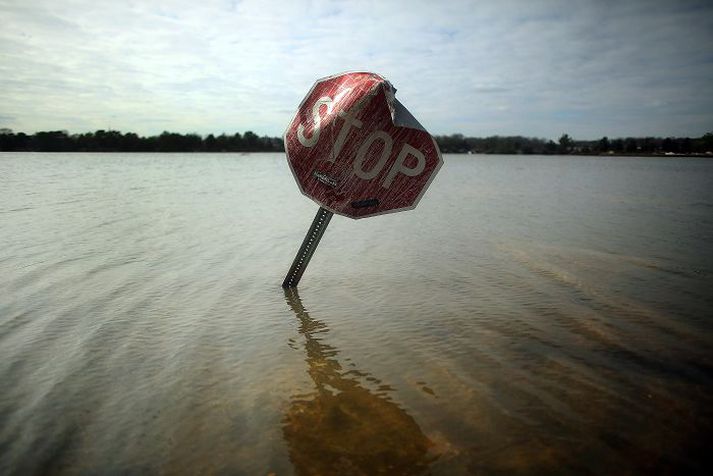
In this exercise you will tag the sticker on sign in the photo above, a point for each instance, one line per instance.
(356, 150)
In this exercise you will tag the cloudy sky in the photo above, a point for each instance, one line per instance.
(536, 68)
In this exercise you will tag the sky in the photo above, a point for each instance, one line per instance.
(535, 68)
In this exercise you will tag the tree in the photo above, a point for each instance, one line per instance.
(669, 145)
(51, 141)
(707, 142)
(630, 146)
(237, 143)
(604, 144)
(565, 144)
(550, 147)
(250, 140)
(210, 143)
(649, 145)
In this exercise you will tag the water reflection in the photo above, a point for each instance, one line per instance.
(342, 427)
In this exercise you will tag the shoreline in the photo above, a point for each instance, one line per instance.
(203, 152)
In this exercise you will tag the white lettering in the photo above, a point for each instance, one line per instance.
(398, 166)
(312, 140)
(364, 148)
(349, 122)
(327, 101)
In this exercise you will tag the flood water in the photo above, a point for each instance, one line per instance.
(533, 315)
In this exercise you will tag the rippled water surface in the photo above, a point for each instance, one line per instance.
(532, 315)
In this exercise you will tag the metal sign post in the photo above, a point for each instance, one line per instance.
(314, 234)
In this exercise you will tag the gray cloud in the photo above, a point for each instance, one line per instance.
(491, 89)
(589, 68)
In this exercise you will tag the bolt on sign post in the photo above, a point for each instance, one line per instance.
(356, 151)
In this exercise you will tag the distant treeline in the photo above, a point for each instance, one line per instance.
(115, 141)
(457, 143)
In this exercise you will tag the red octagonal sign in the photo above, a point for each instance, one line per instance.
(355, 149)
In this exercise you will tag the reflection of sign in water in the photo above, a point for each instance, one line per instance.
(343, 427)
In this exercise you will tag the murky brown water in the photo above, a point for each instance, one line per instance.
(533, 315)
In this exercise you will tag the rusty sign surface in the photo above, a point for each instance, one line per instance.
(355, 150)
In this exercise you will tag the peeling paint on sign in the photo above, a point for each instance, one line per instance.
(356, 150)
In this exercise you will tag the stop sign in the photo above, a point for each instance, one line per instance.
(355, 149)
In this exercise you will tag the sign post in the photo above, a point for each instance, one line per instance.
(356, 151)
(314, 234)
